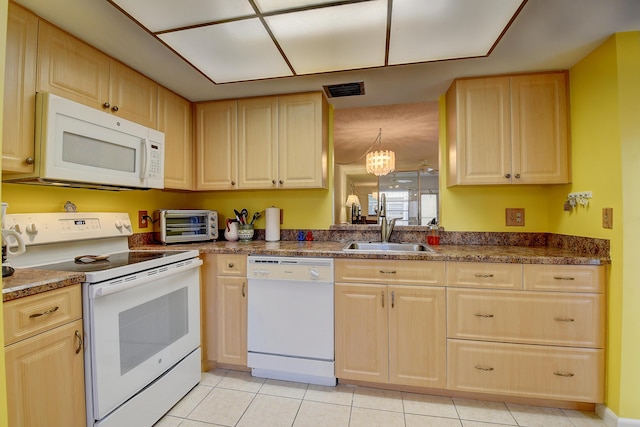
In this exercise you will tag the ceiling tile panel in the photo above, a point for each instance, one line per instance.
(160, 15)
(234, 51)
(266, 6)
(446, 29)
(343, 37)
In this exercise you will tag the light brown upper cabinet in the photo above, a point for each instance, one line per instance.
(275, 142)
(72, 69)
(508, 130)
(302, 140)
(216, 145)
(258, 143)
(19, 91)
(175, 120)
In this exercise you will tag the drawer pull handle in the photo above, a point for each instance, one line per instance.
(483, 276)
(387, 272)
(563, 374)
(563, 278)
(485, 316)
(382, 295)
(243, 294)
(79, 342)
(484, 368)
(564, 319)
(51, 310)
(393, 299)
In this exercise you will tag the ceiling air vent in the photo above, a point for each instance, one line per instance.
(344, 89)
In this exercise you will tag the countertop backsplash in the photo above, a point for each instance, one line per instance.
(346, 233)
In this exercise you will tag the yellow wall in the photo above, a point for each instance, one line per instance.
(3, 381)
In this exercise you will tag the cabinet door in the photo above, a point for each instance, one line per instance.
(175, 120)
(539, 126)
(216, 146)
(479, 131)
(417, 336)
(362, 332)
(232, 320)
(19, 91)
(71, 68)
(133, 96)
(258, 143)
(45, 379)
(302, 140)
(208, 311)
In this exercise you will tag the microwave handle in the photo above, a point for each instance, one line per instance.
(146, 147)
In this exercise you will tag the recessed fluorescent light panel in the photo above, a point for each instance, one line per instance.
(240, 40)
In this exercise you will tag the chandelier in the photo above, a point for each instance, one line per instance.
(380, 162)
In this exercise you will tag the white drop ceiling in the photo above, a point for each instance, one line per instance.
(240, 40)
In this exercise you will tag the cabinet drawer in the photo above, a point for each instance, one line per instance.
(567, 278)
(575, 320)
(382, 271)
(26, 317)
(232, 265)
(526, 370)
(484, 275)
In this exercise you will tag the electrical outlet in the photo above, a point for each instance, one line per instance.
(514, 216)
(607, 217)
(143, 221)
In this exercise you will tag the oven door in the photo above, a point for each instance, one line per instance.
(139, 327)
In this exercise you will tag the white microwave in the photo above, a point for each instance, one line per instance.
(80, 146)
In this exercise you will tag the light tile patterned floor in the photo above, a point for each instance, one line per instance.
(235, 399)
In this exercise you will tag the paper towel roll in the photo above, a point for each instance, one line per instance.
(272, 227)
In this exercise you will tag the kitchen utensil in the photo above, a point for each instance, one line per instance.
(86, 259)
(244, 214)
(238, 215)
(255, 216)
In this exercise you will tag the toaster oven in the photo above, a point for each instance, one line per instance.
(185, 225)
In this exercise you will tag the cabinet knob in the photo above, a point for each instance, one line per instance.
(273, 181)
(233, 183)
(230, 265)
(508, 176)
(29, 160)
(517, 176)
(115, 109)
(281, 182)
(106, 105)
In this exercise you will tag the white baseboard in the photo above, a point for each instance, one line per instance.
(612, 420)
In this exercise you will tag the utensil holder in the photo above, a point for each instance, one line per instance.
(245, 232)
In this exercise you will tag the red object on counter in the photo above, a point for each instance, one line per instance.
(309, 236)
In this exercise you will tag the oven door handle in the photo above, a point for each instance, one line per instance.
(97, 291)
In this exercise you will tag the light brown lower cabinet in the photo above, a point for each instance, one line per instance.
(45, 362)
(561, 373)
(389, 333)
(231, 291)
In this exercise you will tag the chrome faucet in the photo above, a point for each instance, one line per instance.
(386, 226)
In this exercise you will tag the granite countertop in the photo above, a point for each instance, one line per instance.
(464, 253)
(25, 282)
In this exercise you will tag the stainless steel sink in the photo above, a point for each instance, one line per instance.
(386, 247)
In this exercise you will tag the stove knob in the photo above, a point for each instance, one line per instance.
(17, 228)
(315, 274)
(118, 224)
(127, 224)
(32, 228)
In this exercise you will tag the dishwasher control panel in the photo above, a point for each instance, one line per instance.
(290, 268)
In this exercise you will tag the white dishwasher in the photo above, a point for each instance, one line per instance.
(290, 319)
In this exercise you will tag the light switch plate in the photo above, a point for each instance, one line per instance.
(514, 217)
(607, 217)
